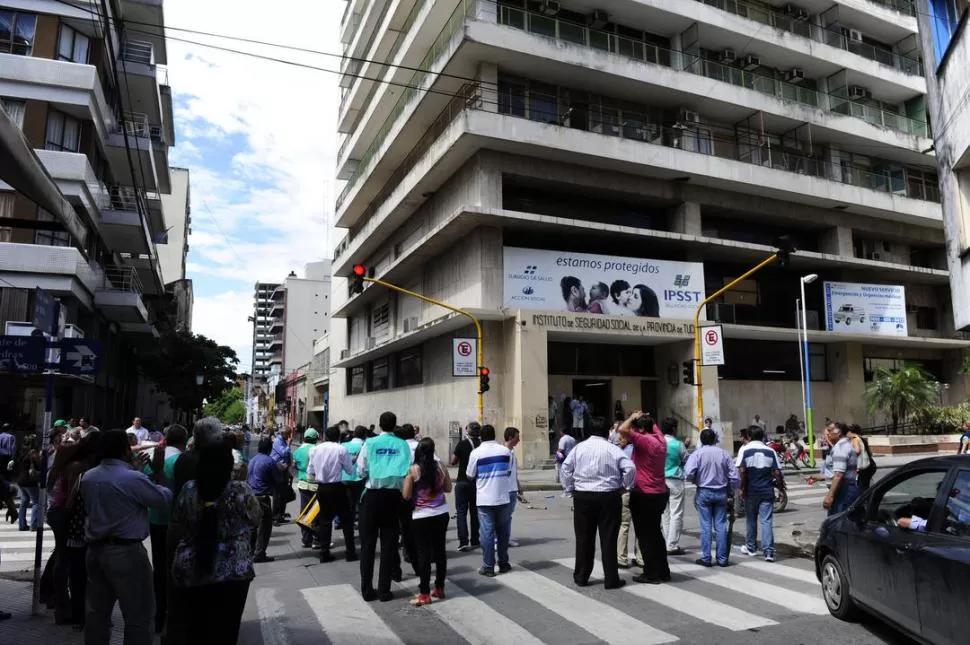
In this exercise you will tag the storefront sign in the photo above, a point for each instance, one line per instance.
(585, 322)
(602, 284)
(464, 357)
(712, 345)
(878, 309)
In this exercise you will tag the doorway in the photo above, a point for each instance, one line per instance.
(648, 398)
(598, 395)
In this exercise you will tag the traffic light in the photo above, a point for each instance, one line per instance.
(357, 280)
(483, 373)
(688, 372)
(785, 248)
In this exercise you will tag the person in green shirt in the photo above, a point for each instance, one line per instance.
(673, 516)
(305, 484)
(354, 482)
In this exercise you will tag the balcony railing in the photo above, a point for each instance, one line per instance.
(126, 198)
(907, 7)
(771, 16)
(135, 124)
(138, 51)
(161, 73)
(122, 279)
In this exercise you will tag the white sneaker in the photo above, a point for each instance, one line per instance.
(769, 558)
(513, 543)
(746, 551)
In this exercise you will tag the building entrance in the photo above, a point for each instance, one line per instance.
(598, 394)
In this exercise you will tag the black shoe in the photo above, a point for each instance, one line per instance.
(723, 564)
(643, 579)
(488, 573)
(623, 566)
(315, 547)
(351, 557)
(580, 583)
(475, 545)
(396, 575)
(464, 547)
(326, 556)
(263, 558)
(665, 577)
(385, 596)
(307, 546)
(504, 568)
(702, 562)
(369, 595)
(619, 584)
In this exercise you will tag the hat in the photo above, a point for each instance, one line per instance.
(311, 434)
(60, 423)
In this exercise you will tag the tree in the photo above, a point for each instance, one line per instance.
(900, 393)
(180, 358)
(228, 406)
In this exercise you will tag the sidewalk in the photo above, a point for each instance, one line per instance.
(25, 629)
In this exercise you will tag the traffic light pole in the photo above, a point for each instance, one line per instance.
(475, 321)
(698, 379)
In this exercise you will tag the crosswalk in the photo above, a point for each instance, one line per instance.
(537, 604)
(17, 547)
(800, 493)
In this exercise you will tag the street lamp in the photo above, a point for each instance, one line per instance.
(807, 279)
(199, 379)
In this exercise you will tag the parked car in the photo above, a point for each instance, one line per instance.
(916, 578)
(849, 313)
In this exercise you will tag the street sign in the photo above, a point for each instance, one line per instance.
(712, 345)
(79, 356)
(464, 357)
(45, 311)
(22, 354)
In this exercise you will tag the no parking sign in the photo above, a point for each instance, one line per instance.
(464, 357)
(712, 345)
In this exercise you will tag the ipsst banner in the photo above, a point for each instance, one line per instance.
(878, 309)
(602, 284)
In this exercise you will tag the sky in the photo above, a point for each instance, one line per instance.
(259, 138)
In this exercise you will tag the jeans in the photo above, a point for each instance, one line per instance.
(494, 521)
(122, 574)
(623, 539)
(28, 497)
(673, 517)
(711, 505)
(465, 494)
(759, 509)
(844, 496)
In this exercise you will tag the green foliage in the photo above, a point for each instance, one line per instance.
(942, 420)
(180, 358)
(228, 407)
(901, 393)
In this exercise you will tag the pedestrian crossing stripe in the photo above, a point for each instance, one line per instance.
(677, 598)
(800, 575)
(355, 622)
(794, 600)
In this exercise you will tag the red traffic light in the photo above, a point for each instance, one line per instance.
(360, 270)
(484, 371)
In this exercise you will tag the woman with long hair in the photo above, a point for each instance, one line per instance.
(643, 302)
(213, 563)
(426, 484)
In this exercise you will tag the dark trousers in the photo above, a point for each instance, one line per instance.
(160, 571)
(259, 539)
(354, 490)
(465, 494)
(429, 539)
(592, 512)
(379, 513)
(306, 534)
(333, 503)
(407, 536)
(864, 479)
(59, 564)
(646, 510)
(279, 499)
(78, 576)
(214, 612)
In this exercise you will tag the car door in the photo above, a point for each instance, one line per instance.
(882, 556)
(943, 566)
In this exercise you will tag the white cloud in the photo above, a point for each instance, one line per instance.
(266, 210)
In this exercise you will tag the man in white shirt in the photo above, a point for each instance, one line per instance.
(141, 434)
(511, 441)
(597, 473)
(490, 465)
(329, 461)
(566, 443)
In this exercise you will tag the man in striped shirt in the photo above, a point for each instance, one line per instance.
(490, 466)
(597, 473)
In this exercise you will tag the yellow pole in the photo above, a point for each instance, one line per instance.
(698, 381)
(478, 331)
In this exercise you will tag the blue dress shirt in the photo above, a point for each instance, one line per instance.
(281, 452)
(712, 467)
(264, 475)
(117, 498)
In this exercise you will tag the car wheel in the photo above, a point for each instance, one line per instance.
(835, 589)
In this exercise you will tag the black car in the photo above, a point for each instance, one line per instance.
(917, 578)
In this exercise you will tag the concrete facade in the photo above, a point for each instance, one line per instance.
(173, 247)
(578, 137)
(306, 314)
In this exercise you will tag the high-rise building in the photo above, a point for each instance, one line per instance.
(306, 313)
(267, 329)
(581, 176)
(86, 84)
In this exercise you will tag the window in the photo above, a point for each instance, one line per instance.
(17, 32)
(63, 132)
(759, 360)
(355, 378)
(871, 363)
(379, 319)
(50, 238)
(914, 495)
(408, 368)
(6, 211)
(379, 373)
(956, 520)
(73, 46)
(926, 318)
(15, 110)
(944, 18)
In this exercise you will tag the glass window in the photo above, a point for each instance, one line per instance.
(17, 32)
(6, 211)
(379, 373)
(408, 368)
(15, 110)
(47, 237)
(956, 520)
(926, 318)
(914, 495)
(63, 132)
(511, 98)
(73, 46)
(355, 378)
(543, 103)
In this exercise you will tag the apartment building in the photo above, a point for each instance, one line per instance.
(91, 96)
(173, 246)
(581, 175)
(267, 322)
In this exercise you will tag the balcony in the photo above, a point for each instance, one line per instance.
(135, 129)
(75, 178)
(119, 297)
(125, 220)
(276, 342)
(276, 359)
(145, 79)
(61, 270)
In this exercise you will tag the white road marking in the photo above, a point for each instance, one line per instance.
(766, 592)
(354, 621)
(801, 575)
(271, 612)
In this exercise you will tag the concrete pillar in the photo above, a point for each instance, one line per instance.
(487, 78)
(686, 218)
(837, 241)
(678, 400)
(492, 268)
(956, 385)
(527, 389)
(846, 372)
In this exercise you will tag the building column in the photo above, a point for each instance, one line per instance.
(487, 78)
(847, 374)
(527, 389)
(837, 241)
(956, 385)
(686, 218)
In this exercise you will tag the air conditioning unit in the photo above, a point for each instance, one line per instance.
(728, 57)
(597, 18)
(72, 331)
(796, 12)
(855, 35)
(14, 328)
(858, 93)
(371, 342)
(689, 116)
(750, 62)
(549, 8)
(410, 324)
(795, 75)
